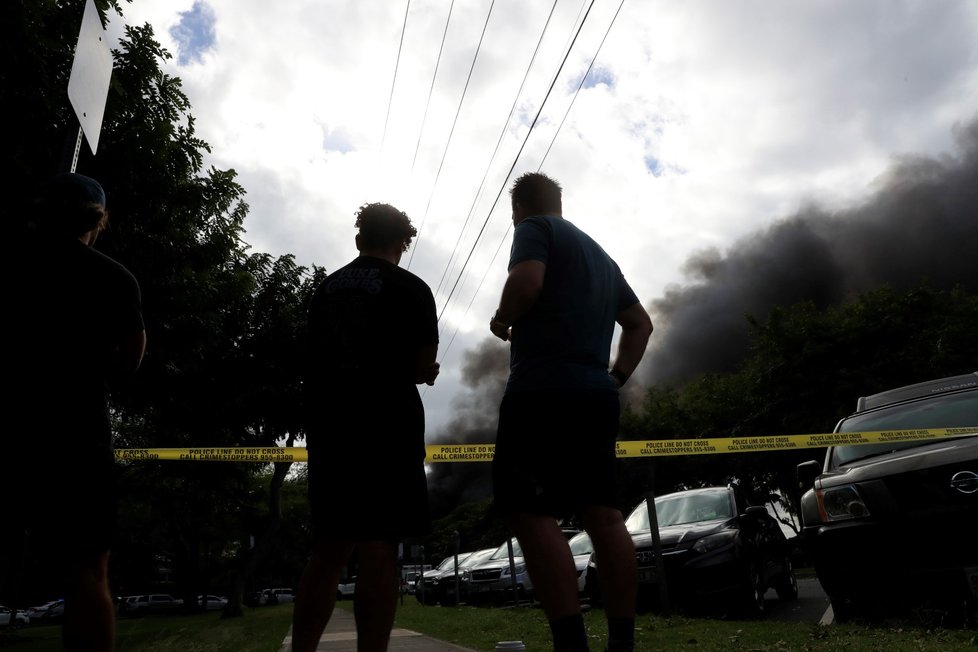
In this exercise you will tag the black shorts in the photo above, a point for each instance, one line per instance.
(555, 452)
(67, 506)
(367, 480)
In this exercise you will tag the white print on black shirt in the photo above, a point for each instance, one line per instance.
(356, 278)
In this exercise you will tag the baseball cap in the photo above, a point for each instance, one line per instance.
(73, 187)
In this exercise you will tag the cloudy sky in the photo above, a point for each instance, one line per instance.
(699, 126)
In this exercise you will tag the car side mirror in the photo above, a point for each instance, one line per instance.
(807, 472)
(756, 511)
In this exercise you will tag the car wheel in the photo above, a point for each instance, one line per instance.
(752, 593)
(787, 586)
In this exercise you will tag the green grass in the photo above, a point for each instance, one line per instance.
(260, 630)
(480, 628)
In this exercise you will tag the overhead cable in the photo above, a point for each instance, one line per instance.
(450, 133)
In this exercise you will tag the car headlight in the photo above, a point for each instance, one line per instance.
(840, 503)
(714, 541)
(519, 569)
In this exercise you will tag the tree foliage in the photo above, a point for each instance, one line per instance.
(224, 325)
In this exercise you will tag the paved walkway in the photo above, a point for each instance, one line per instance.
(341, 636)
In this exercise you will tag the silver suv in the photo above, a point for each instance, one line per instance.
(891, 525)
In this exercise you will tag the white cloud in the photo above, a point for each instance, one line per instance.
(749, 109)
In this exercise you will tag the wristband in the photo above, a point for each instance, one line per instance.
(619, 376)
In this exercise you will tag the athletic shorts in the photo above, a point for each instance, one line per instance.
(367, 480)
(64, 505)
(555, 452)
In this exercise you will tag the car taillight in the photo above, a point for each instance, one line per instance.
(840, 503)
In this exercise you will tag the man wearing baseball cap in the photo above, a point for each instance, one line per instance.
(77, 327)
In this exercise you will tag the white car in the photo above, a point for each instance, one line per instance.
(581, 548)
(21, 616)
(212, 602)
(346, 588)
(492, 580)
(49, 611)
(278, 596)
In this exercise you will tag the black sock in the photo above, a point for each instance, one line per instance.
(569, 634)
(621, 634)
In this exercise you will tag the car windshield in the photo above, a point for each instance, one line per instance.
(447, 562)
(580, 544)
(502, 552)
(477, 557)
(949, 411)
(683, 507)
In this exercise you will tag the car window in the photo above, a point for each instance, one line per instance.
(502, 552)
(948, 411)
(446, 563)
(681, 508)
(580, 544)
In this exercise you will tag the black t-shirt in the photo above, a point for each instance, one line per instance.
(367, 323)
(70, 306)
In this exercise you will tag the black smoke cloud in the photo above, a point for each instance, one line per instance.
(484, 371)
(920, 225)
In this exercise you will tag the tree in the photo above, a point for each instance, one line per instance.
(224, 325)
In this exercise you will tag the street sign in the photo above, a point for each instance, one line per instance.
(91, 71)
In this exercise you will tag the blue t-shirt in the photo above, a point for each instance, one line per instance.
(564, 341)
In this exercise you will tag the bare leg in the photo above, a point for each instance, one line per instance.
(375, 600)
(89, 620)
(549, 562)
(615, 553)
(317, 592)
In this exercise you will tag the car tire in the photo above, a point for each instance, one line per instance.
(752, 593)
(787, 586)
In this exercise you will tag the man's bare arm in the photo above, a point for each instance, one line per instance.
(427, 369)
(636, 328)
(129, 353)
(520, 293)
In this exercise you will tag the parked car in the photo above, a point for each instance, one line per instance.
(581, 548)
(494, 579)
(149, 604)
(425, 588)
(211, 602)
(5, 615)
(48, 612)
(346, 589)
(717, 552)
(445, 588)
(891, 523)
(276, 596)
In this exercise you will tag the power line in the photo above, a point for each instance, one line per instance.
(579, 86)
(424, 119)
(397, 64)
(499, 141)
(451, 132)
(516, 158)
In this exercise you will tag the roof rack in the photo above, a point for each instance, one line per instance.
(927, 388)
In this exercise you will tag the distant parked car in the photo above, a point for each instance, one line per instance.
(717, 552)
(445, 589)
(425, 590)
(275, 596)
(493, 580)
(892, 524)
(581, 548)
(346, 588)
(48, 612)
(20, 617)
(150, 603)
(211, 602)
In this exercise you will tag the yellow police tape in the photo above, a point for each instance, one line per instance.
(436, 453)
